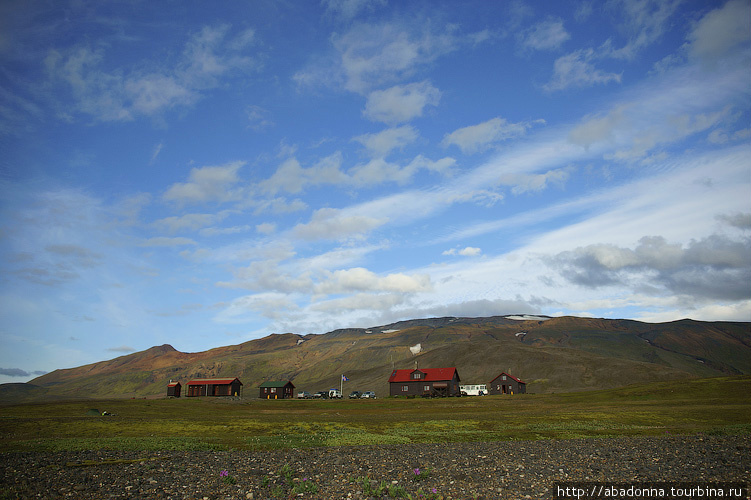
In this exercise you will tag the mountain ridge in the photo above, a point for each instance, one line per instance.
(552, 354)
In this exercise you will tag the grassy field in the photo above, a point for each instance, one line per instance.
(710, 406)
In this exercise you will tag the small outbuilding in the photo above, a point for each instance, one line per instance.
(173, 389)
(277, 390)
(429, 382)
(214, 387)
(507, 384)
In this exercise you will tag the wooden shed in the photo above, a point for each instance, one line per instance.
(507, 384)
(173, 389)
(214, 387)
(429, 382)
(276, 390)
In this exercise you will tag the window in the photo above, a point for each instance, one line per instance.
(426, 388)
(504, 377)
(416, 375)
(405, 388)
(273, 390)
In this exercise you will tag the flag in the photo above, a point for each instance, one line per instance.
(344, 378)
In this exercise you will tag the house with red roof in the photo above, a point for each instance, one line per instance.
(428, 382)
(507, 384)
(214, 387)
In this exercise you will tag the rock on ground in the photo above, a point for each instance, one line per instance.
(490, 470)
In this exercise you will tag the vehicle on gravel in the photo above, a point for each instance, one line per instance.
(304, 395)
(368, 395)
(335, 394)
(321, 395)
(354, 395)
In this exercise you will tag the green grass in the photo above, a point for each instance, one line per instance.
(712, 406)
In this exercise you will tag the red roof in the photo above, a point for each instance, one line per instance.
(430, 375)
(511, 376)
(173, 384)
(213, 381)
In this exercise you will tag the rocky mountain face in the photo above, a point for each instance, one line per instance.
(550, 354)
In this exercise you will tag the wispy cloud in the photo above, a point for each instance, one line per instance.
(577, 69)
(545, 35)
(373, 55)
(478, 137)
(401, 103)
(207, 184)
(17, 372)
(133, 91)
(380, 144)
(121, 348)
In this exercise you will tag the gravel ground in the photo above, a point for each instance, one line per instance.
(496, 470)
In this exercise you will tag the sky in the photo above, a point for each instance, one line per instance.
(206, 173)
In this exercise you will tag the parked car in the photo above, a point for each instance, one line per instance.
(304, 395)
(354, 395)
(368, 395)
(335, 394)
(321, 395)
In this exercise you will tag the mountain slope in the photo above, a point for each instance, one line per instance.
(550, 354)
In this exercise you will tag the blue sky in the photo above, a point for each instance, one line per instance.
(202, 174)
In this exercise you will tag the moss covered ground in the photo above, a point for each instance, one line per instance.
(711, 406)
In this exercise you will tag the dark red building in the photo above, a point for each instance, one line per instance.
(429, 382)
(507, 384)
(173, 389)
(214, 387)
(276, 390)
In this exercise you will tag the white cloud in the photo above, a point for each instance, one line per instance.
(125, 93)
(266, 228)
(155, 153)
(464, 252)
(269, 276)
(482, 197)
(478, 137)
(721, 30)
(360, 279)
(644, 22)
(382, 143)
(207, 184)
(545, 35)
(291, 177)
(378, 170)
(361, 302)
(372, 55)
(598, 128)
(401, 103)
(523, 183)
(576, 70)
(347, 10)
(335, 224)
(271, 305)
(258, 118)
(278, 206)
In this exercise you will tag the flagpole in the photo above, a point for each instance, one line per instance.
(341, 386)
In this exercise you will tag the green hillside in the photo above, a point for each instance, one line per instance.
(550, 354)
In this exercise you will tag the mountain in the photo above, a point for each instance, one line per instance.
(550, 354)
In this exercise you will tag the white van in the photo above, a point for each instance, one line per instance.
(474, 389)
(335, 394)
